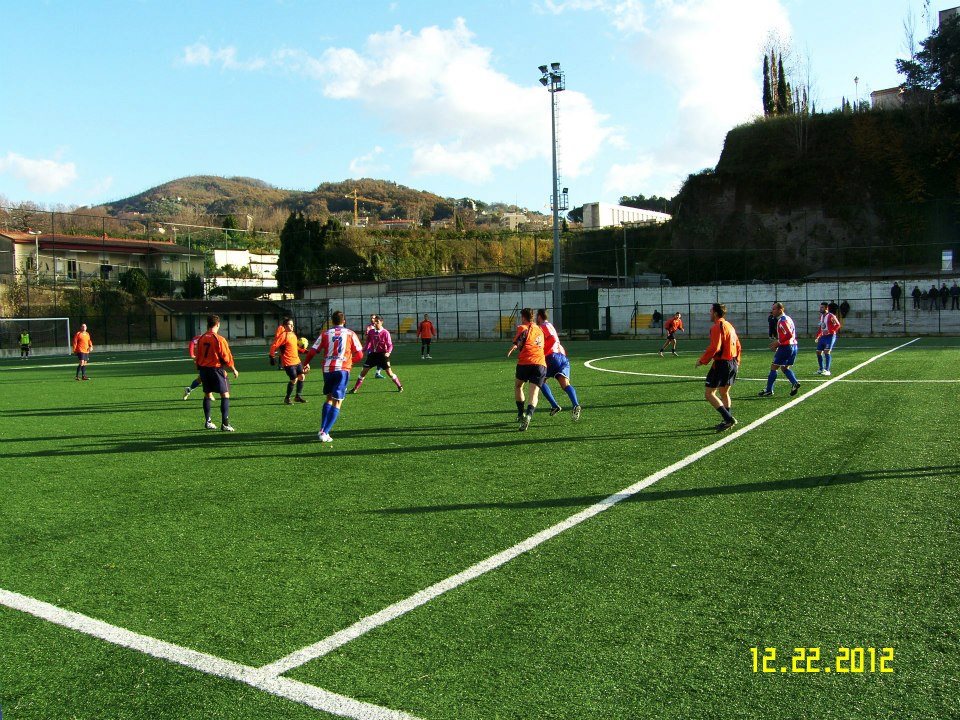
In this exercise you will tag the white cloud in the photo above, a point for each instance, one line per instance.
(366, 165)
(437, 89)
(625, 179)
(709, 53)
(40, 176)
(225, 57)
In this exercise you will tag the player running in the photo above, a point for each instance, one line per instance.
(378, 348)
(192, 349)
(213, 355)
(340, 348)
(827, 330)
(724, 350)
(290, 363)
(531, 366)
(672, 326)
(426, 331)
(82, 347)
(558, 366)
(366, 333)
(785, 351)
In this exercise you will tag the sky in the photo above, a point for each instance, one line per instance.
(105, 99)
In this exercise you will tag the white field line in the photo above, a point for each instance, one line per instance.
(818, 379)
(293, 690)
(110, 363)
(396, 610)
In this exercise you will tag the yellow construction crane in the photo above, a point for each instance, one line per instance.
(356, 196)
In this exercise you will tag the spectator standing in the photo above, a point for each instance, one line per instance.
(934, 295)
(895, 292)
(955, 296)
(917, 295)
(944, 295)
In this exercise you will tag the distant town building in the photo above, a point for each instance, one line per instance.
(947, 14)
(261, 269)
(599, 215)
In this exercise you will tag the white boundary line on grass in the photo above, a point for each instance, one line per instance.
(109, 363)
(820, 379)
(397, 609)
(287, 688)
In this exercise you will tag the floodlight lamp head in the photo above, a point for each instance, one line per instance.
(544, 81)
(543, 69)
(555, 67)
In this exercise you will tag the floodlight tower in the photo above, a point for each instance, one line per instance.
(554, 80)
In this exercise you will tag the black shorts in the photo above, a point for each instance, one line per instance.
(214, 380)
(722, 374)
(83, 357)
(535, 374)
(671, 336)
(378, 360)
(425, 342)
(293, 371)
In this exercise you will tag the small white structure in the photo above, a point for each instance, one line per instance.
(599, 215)
(262, 268)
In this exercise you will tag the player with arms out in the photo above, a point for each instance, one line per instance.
(724, 351)
(82, 347)
(340, 348)
(213, 360)
(426, 331)
(672, 326)
(192, 350)
(827, 330)
(558, 366)
(378, 348)
(785, 351)
(289, 344)
(531, 366)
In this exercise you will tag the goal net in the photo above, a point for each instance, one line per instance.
(44, 333)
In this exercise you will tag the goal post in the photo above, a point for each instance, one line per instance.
(47, 333)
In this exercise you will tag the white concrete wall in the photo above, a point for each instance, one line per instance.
(469, 316)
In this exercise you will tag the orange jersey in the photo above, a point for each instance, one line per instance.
(673, 325)
(82, 342)
(291, 351)
(529, 340)
(213, 351)
(724, 343)
(426, 329)
(192, 347)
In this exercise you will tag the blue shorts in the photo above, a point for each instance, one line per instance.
(826, 342)
(558, 364)
(214, 380)
(293, 371)
(785, 355)
(335, 383)
(82, 356)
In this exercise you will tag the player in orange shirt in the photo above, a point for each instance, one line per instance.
(724, 350)
(426, 331)
(192, 350)
(531, 366)
(290, 363)
(277, 334)
(82, 347)
(672, 326)
(213, 355)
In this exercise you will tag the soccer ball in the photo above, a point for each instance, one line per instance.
(304, 343)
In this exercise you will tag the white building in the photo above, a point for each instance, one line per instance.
(263, 269)
(599, 215)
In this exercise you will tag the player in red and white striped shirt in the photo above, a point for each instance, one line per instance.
(340, 348)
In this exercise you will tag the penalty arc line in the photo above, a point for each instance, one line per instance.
(286, 688)
(402, 607)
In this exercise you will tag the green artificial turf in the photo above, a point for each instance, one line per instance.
(834, 524)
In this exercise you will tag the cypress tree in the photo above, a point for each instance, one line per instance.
(783, 104)
(767, 96)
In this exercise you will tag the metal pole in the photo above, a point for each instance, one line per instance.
(557, 295)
